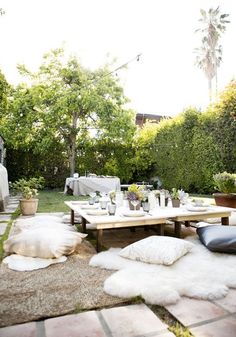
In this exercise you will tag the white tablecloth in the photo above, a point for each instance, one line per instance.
(4, 188)
(86, 185)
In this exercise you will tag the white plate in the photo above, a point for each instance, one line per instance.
(134, 213)
(79, 202)
(89, 206)
(97, 212)
(196, 208)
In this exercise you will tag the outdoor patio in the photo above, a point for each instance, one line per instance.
(103, 315)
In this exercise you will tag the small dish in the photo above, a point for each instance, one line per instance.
(196, 208)
(97, 212)
(134, 213)
(89, 206)
(79, 202)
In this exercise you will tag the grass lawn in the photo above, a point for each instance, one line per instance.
(53, 201)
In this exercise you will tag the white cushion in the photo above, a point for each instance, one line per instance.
(44, 243)
(157, 249)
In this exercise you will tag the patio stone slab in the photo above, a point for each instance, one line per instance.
(228, 302)
(222, 328)
(80, 325)
(191, 311)
(21, 330)
(3, 226)
(5, 217)
(132, 320)
(11, 208)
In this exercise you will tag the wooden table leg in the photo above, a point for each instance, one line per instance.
(177, 229)
(99, 239)
(225, 221)
(72, 217)
(83, 225)
(160, 229)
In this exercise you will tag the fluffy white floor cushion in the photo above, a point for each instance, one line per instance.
(157, 249)
(44, 242)
(23, 225)
(24, 263)
(199, 274)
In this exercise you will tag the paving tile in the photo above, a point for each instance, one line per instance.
(10, 208)
(191, 311)
(3, 226)
(132, 320)
(228, 302)
(5, 217)
(222, 328)
(21, 330)
(85, 324)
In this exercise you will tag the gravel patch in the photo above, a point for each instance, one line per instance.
(57, 290)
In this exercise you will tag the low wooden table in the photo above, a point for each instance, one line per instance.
(115, 221)
(159, 216)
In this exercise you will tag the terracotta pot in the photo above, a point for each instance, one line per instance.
(28, 206)
(131, 207)
(175, 202)
(226, 200)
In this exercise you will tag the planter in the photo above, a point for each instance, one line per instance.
(175, 202)
(28, 206)
(226, 200)
(132, 208)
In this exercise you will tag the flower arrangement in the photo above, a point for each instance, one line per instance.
(112, 196)
(135, 192)
(175, 194)
(28, 188)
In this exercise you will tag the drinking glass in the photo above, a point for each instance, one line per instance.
(135, 203)
(111, 209)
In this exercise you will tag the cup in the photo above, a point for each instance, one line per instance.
(146, 206)
(111, 209)
(103, 204)
(91, 201)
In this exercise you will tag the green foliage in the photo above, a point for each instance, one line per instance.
(225, 182)
(175, 193)
(28, 188)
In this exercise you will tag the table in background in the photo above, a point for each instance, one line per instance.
(86, 185)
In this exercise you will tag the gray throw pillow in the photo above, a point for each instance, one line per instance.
(218, 238)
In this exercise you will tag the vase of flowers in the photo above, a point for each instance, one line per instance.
(134, 196)
(175, 197)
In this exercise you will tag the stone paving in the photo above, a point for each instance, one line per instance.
(126, 321)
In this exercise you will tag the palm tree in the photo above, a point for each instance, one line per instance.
(210, 53)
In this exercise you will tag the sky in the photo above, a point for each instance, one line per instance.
(164, 81)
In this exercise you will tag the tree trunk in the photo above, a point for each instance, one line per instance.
(72, 149)
(210, 89)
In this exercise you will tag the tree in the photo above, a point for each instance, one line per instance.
(209, 57)
(67, 103)
(4, 90)
(2, 12)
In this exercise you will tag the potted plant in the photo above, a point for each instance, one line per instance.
(134, 196)
(225, 183)
(175, 197)
(29, 190)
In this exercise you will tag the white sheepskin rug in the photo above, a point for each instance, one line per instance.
(26, 263)
(199, 274)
